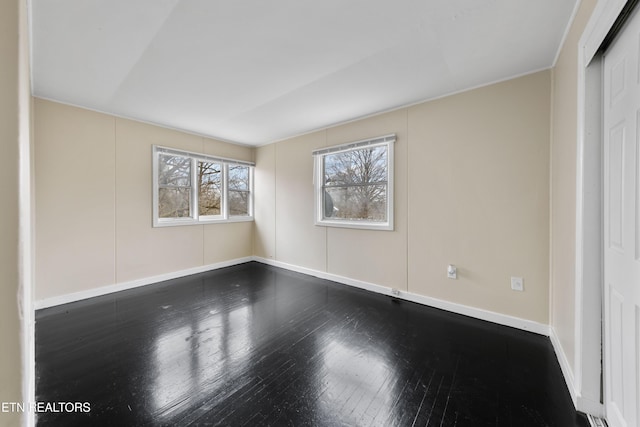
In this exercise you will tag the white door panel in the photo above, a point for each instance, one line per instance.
(621, 227)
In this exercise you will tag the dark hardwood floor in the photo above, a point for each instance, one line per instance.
(257, 345)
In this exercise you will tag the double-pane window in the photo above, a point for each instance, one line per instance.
(174, 186)
(210, 188)
(239, 190)
(192, 188)
(354, 184)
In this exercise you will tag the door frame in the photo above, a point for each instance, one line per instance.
(589, 268)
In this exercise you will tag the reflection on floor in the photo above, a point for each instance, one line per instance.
(257, 345)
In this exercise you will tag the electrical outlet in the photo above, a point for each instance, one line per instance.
(517, 283)
(452, 271)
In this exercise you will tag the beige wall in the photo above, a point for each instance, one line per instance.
(10, 355)
(479, 196)
(75, 218)
(297, 240)
(563, 183)
(264, 236)
(471, 188)
(93, 203)
(374, 256)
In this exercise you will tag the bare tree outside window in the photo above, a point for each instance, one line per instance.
(209, 188)
(191, 188)
(239, 190)
(174, 186)
(355, 184)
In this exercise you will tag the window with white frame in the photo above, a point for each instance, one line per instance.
(354, 184)
(193, 188)
(239, 190)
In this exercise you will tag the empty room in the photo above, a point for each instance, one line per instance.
(338, 213)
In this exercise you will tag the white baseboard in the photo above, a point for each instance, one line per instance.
(567, 373)
(582, 404)
(590, 407)
(104, 290)
(478, 313)
(579, 403)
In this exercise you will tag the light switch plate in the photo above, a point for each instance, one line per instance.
(517, 283)
(452, 271)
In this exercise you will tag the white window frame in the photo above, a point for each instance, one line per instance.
(195, 217)
(319, 155)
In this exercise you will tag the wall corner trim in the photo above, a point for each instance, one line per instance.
(567, 373)
(478, 313)
(104, 290)
(581, 403)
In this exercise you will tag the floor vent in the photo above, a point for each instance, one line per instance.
(596, 422)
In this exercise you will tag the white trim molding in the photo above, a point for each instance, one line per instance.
(192, 184)
(579, 402)
(602, 19)
(477, 313)
(585, 376)
(321, 188)
(584, 404)
(109, 289)
(26, 206)
(567, 30)
(565, 367)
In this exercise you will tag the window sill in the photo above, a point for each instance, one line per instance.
(380, 226)
(186, 222)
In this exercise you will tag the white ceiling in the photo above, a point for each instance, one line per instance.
(255, 71)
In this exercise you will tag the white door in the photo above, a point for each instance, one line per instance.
(622, 227)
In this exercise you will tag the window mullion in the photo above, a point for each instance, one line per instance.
(194, 189)
(250, 209)
(225, 191)
(156, 189)
(355, 184)
(320, 166)
(174, 186)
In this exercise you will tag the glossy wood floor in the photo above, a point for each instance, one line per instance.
(256, 345)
